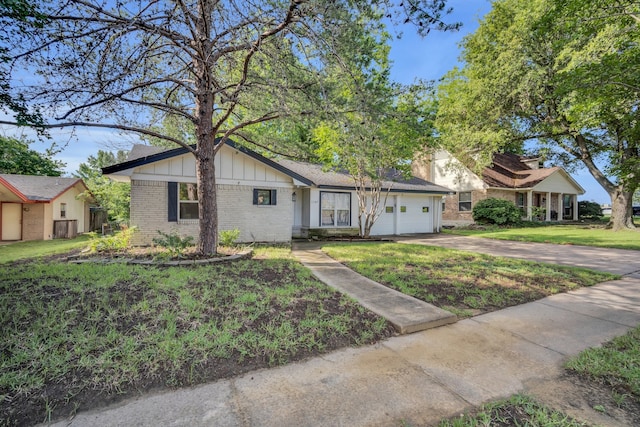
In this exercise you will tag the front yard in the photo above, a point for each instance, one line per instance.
(464, 283)
(77, 336)
(587, 235)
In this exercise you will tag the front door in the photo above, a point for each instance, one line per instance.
(11, 221)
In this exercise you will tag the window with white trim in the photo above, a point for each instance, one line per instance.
(63, 210)
(188, 200)
(335, 209)
(464, 201)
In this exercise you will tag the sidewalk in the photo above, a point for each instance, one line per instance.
(415, 379)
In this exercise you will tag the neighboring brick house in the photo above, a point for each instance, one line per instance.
(267, 200)
(42, 207)
(547, 194)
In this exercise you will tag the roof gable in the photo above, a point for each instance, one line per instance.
(305, 173)
(510, 171)
(32, 188)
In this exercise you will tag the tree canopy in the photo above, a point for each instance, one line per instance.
(218, 67)
(112, 196)
(17, 158)
(562, 75)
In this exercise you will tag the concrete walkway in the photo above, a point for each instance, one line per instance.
(415, 379)
(406, 314)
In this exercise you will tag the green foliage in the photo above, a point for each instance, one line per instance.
(112, 196)
(538, 213)
(556, 74)
(118, 241)
(589, 210)
(496, 211)
(175, 244)
(229, 237)
(17, 158)
(519, 410)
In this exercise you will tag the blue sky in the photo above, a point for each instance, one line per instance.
(413, 57)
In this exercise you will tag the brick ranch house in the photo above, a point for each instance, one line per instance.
(267, 200)
(546, 194)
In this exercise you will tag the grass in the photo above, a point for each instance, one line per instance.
(519, 410)
(41, 248)
(71, 334)
(616, 363)
(462, 282)
(587, 235)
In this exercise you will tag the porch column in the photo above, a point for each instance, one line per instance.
(560, 207)
(529, 204)
(547, 207)
(574, 200)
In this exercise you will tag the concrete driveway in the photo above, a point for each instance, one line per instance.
(618, 261)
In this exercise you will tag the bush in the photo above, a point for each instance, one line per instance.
(117, 241)
(496, 211)
(229, 237)
(173, 243)
(589, 210)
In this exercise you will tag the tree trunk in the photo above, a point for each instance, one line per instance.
(205, 133)
(207, 199)
(621, 210)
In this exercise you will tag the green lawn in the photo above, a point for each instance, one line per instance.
(560, 234)
(41, 248)
(462, 282)
(72, 335)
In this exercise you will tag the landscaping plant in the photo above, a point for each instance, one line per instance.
(496, 211)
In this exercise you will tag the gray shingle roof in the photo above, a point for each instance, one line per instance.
(311, 174)
(39, 188)
(331, 178)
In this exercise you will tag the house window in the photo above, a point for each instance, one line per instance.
(264, 197)
(403, 208)
(188, 200)
(521, 202)
(425, 209)
(388, 209)
(335, 209)
(63, 210)
(464, 201)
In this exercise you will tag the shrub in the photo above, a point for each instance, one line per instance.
(229, 237)
(117, 241)
(496, 211)
(173, 243)
(589, 210)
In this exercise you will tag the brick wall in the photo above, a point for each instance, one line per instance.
(235, 210)
(451, 214)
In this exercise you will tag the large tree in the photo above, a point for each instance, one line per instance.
(220, 66)
(17, 158)
(563, 75)
(380, 125)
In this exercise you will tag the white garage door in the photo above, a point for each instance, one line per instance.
(415, 215)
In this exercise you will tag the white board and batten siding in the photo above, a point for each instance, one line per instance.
(232, 167)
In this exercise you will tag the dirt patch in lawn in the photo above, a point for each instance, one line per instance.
(588, 400)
